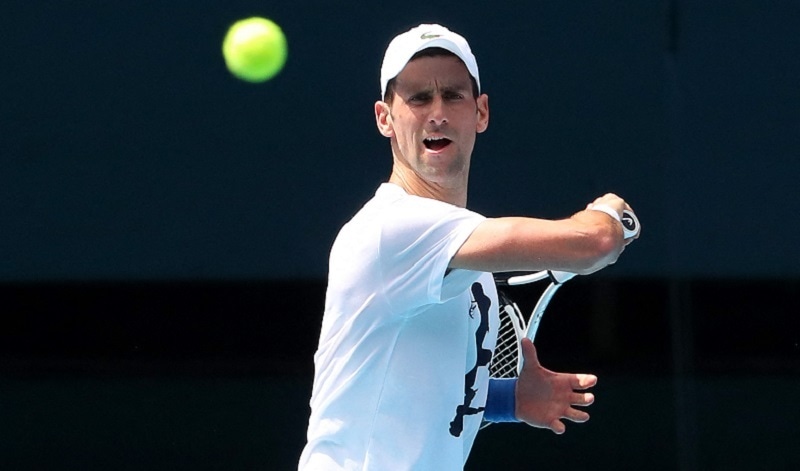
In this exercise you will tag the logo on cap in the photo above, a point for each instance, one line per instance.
(430, 36)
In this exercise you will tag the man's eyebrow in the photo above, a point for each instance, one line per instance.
(457, 87)
(429, 89)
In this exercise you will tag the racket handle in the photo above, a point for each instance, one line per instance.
(630, 224)
(629, 221)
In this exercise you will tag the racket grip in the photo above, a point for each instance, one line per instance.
(629, 221)
(630, 224)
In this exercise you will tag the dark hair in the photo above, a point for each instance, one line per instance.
(429, 52)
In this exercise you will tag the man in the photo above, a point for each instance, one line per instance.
(411, 314)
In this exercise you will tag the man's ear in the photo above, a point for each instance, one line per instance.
(483, 113)
(383, 119)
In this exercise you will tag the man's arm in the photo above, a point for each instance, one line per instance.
(583, 243)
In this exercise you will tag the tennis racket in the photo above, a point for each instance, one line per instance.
(507, 358)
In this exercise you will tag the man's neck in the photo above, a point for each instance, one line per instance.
(419, 187)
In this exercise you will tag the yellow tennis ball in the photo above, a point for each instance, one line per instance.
(255, 49)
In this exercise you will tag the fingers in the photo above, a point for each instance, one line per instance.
(577, 416)
(529, 355)
(612, 200)
(582, 399)
(557, 427)
(583, 381)
(548, 399)
(573, 415)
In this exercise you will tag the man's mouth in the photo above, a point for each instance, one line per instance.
(436, 143)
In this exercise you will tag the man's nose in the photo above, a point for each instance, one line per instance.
(438, 111)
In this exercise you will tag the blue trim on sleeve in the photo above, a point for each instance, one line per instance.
(501, 401)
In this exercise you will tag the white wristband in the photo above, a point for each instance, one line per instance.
(606, 209)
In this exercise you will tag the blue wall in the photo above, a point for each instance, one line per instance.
(129, 152)
(164, 227)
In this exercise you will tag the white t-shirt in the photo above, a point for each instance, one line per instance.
(401, 371)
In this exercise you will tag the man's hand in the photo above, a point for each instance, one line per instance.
(612, 201)
(545, 397)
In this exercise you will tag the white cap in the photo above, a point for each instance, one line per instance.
(405, 45)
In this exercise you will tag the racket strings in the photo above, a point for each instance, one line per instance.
(507, 349)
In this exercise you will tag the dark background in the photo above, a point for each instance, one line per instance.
(165, 227)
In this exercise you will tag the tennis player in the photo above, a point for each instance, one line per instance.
(401, 372)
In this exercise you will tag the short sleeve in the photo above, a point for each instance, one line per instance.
(419, 237)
